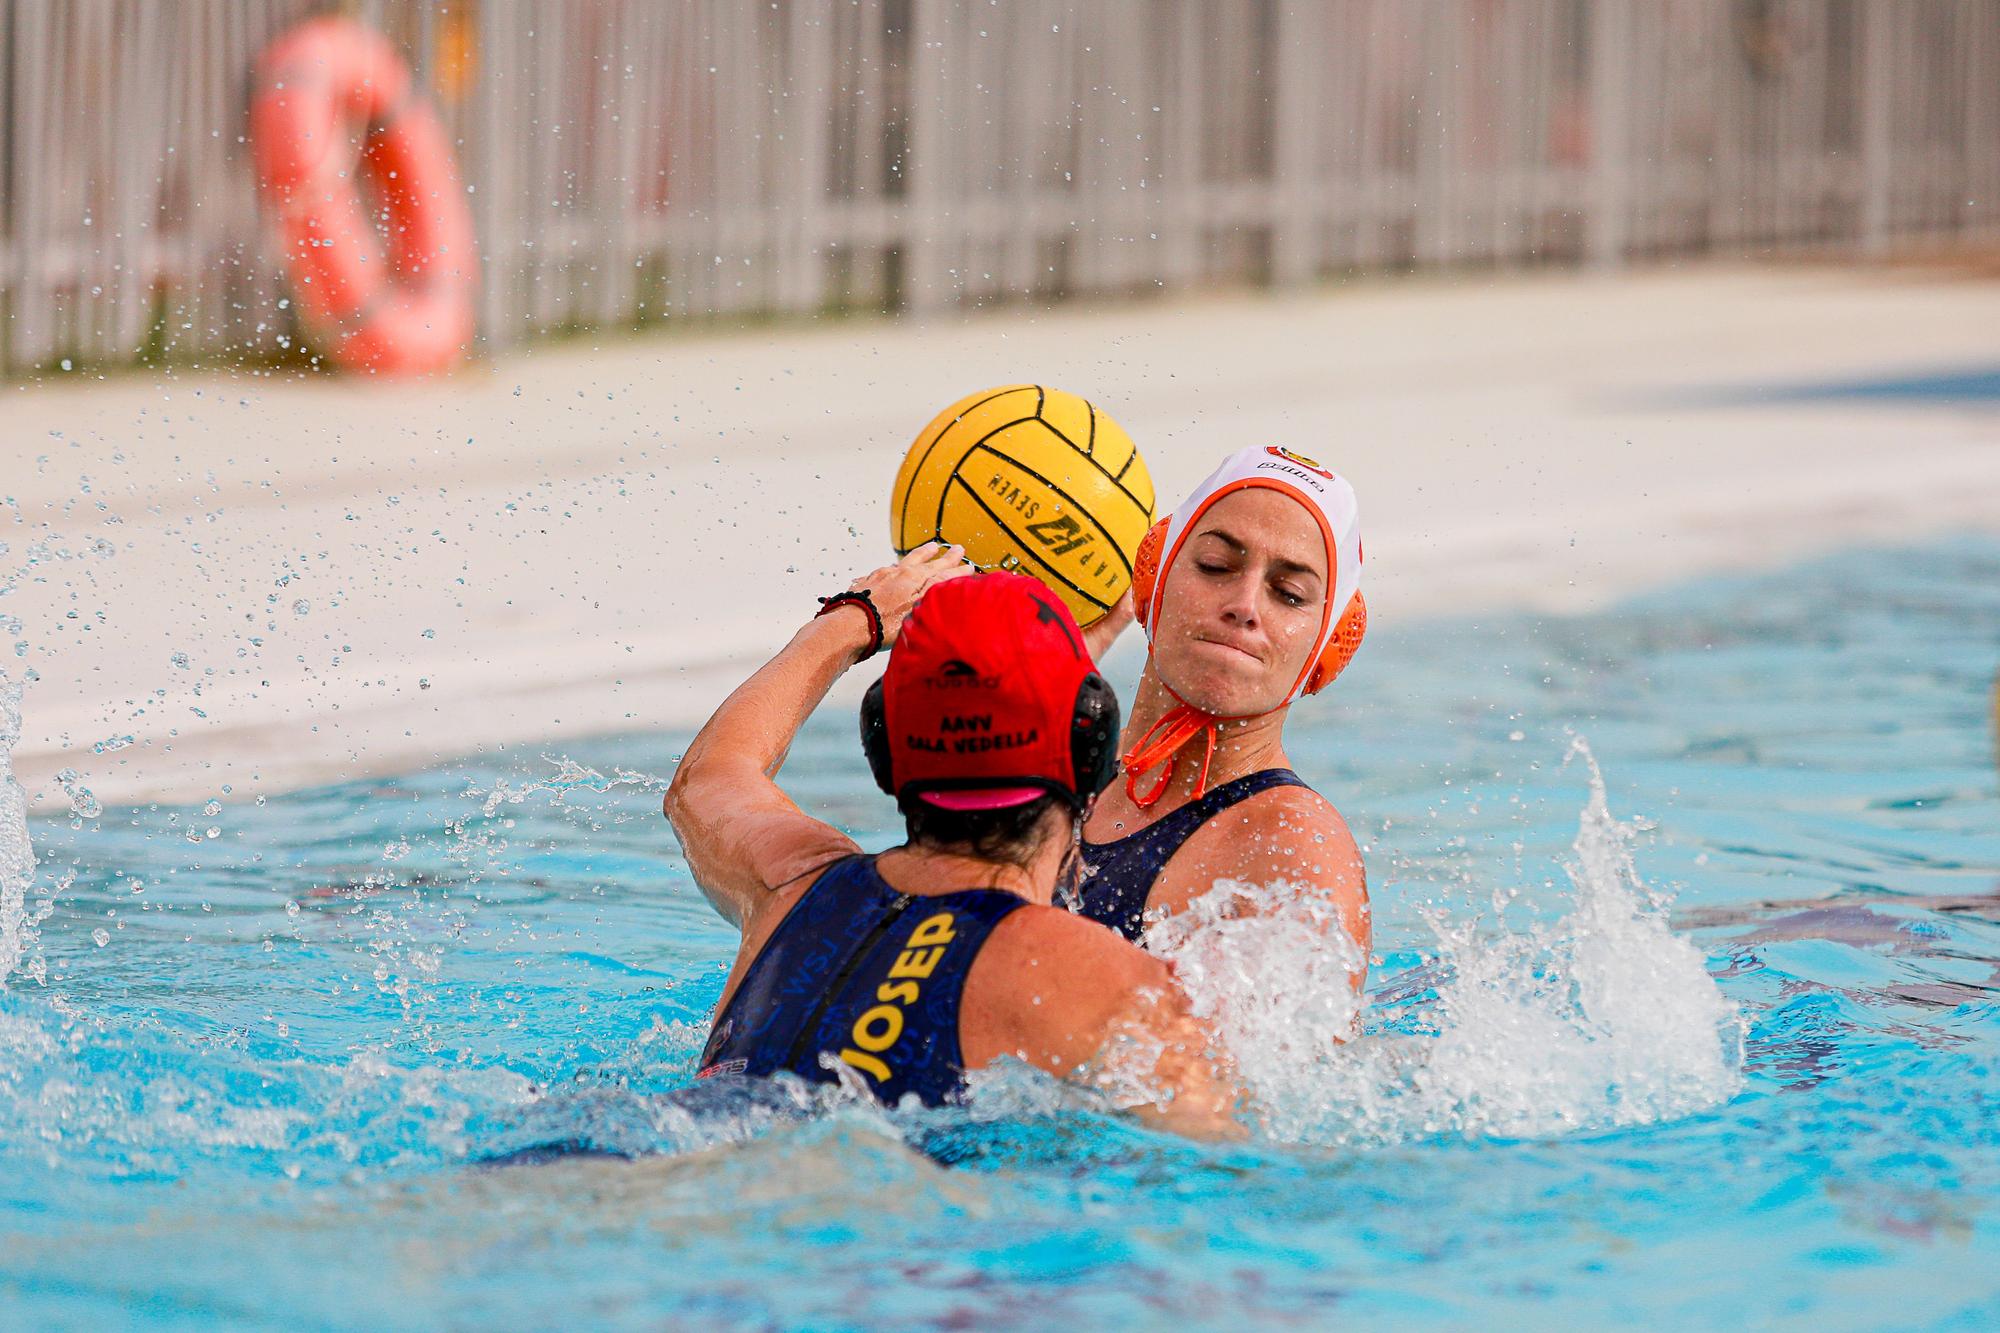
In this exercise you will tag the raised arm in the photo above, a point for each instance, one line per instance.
(741, 834)
(1104, 632)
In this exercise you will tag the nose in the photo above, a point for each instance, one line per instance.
(1239, 607)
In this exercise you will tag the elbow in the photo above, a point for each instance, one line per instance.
(707, 780)
(675, 804)
(700, 779)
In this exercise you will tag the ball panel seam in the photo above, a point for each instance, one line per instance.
(903, 511)
(1115, 480)
(1002, 524)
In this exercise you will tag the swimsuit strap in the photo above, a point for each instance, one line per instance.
(1121, 873)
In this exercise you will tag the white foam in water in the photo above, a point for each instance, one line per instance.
(18, 933)
(1271, 968)
(1602, 1018)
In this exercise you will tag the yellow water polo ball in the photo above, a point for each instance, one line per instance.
(1030, 479)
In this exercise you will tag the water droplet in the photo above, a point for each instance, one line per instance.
(302, 607)
(100, 937)
(82, 804)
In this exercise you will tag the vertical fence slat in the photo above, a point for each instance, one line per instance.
(1877, 109)
(1610, 102)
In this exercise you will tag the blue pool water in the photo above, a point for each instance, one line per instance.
(1968, 386)
(271, 1045)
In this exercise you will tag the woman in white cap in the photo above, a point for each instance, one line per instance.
(1250, 598)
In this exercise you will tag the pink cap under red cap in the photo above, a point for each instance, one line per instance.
(988, 798)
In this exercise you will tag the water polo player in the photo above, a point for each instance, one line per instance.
(1250, 598)
(902, 971)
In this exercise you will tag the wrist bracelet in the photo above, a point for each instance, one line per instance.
(867, 604)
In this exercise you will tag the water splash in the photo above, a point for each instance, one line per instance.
(18, 922)
(569, 776)
(1272, 968)
(1602, 1018)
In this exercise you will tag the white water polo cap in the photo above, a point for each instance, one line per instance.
(1327, 497)
(1343, 617)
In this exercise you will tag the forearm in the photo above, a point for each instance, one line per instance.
(741, 835)
(739, 832)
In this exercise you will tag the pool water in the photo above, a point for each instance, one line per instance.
(1717, 1043)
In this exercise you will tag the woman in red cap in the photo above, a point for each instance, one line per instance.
(1250, 598)
(900, 972)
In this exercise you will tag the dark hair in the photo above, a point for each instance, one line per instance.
(1011, 835)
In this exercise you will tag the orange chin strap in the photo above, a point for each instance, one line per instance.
(1162, 744)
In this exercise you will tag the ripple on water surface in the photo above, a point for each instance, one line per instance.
(1736, 1065)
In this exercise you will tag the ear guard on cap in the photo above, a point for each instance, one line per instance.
(1093, 739)
(1146, 570)
(875, 737)
(1340, 646)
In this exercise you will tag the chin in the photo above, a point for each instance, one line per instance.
(1219, 692)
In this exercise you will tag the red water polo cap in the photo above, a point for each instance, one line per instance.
(980, 692)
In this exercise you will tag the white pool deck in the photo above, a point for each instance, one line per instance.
(600, 538)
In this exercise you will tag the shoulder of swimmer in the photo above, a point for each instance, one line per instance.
(1284, 833)
(1080, 1001)
(1048, 987)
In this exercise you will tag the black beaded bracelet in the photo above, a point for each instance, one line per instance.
(861, 599)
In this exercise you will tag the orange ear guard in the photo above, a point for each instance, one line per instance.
(1146, 569)
(1340, 648)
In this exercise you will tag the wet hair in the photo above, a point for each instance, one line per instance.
(1012, 835)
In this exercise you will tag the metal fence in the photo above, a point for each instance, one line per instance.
(641, 160)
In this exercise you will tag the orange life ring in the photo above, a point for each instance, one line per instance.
(322, 85)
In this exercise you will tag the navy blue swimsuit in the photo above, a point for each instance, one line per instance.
(1118, 875)
(864, 974)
